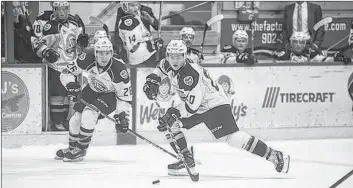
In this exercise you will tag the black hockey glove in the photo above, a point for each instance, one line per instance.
(73, 90)
(154, 44)
(82, 40)
(50, 55)
(341, 57)
(246, 59)
(169, 118)
(122, 122)
(151, 86)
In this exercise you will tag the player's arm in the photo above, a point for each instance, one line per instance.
(153, 80)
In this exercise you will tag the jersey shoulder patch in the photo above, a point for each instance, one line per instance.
(229, 48)
(51, 27)
(128, 23)
(85, 58)
(44, 15)
(119, 71)
(189, 77)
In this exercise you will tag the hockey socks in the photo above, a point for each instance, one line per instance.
(73, 139)
(84, 138)
(181, 141)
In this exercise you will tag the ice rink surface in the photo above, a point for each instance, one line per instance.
(315, 163)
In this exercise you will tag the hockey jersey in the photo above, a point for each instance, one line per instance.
(198, 91)
(136, 39)
(195, 55)
(61, 38)
(232, 54)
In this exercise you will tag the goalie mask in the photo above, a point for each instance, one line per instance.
(176, 54)
(103, 51)
(187, 34)
(240, 40)
(298, 42)
(131, 7)
(61, 10)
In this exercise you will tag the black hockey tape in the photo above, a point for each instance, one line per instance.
(156, 182)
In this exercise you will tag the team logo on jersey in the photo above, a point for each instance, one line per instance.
(128, 22)
(188, 80)
(124, 74)
(47, 27)
(82, 56)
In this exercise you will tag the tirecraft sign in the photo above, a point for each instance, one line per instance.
(15, 101)
(273, 94)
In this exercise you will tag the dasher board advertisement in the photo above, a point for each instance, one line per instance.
(267, 97)
(23, 99)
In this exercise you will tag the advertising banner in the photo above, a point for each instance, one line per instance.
(270, 97)
(268, 32)
(22, 100)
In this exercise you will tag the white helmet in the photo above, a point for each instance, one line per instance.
(100, 34)
(103, 45)
(187, 30)
(176, 46)
(61, 5)
(298, 35)
(240, 34)
(176, 53)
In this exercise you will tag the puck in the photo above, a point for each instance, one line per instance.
(156, 182)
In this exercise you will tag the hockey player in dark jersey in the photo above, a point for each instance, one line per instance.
(203, 101)
(108, 89)
(187, 34)
(238, 52)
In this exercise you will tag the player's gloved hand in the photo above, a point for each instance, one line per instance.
(169, 119)
(82, 40)
(282, 55)
(158, 42)
(73, 90)
(146, 16)
(154, 44)
(246, 58)
(122, 122)
(151, 86)
(50, 55)
(313, 48)
(339, 56)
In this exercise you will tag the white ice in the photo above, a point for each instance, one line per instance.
(315, 163)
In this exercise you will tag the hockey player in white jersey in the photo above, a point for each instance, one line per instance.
(108, 89)
(56, 39)
(187, 34)
(138, 42)
(238, 51)
(204, 101)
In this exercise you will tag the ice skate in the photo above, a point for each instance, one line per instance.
(178, 168)
(280, 161)
(60, 154)
(75, 155)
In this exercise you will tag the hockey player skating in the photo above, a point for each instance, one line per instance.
(187, 34)
(138, 42)
(108, 90)
(204, 101)
(238, 52)
(57, 36)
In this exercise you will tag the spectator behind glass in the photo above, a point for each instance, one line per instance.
(301, 17)
(145, 13)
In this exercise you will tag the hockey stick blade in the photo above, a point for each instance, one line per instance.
(322, 22)
(214, 19)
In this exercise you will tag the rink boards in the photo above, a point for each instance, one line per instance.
(272, 101)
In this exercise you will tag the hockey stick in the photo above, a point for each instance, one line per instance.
(211, 21)
(159, 28)
(193, 175)
(185, 10)
(334, 45)
(322, 22)
(131, 131)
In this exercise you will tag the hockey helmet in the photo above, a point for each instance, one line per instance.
(298, 42)
(240, 40)
(187, 34)
(103, 51)
(61, 10)
(176, 53)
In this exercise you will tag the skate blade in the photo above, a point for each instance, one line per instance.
(286, 164)
(73, 160)
(182, 172)
(58, 158)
